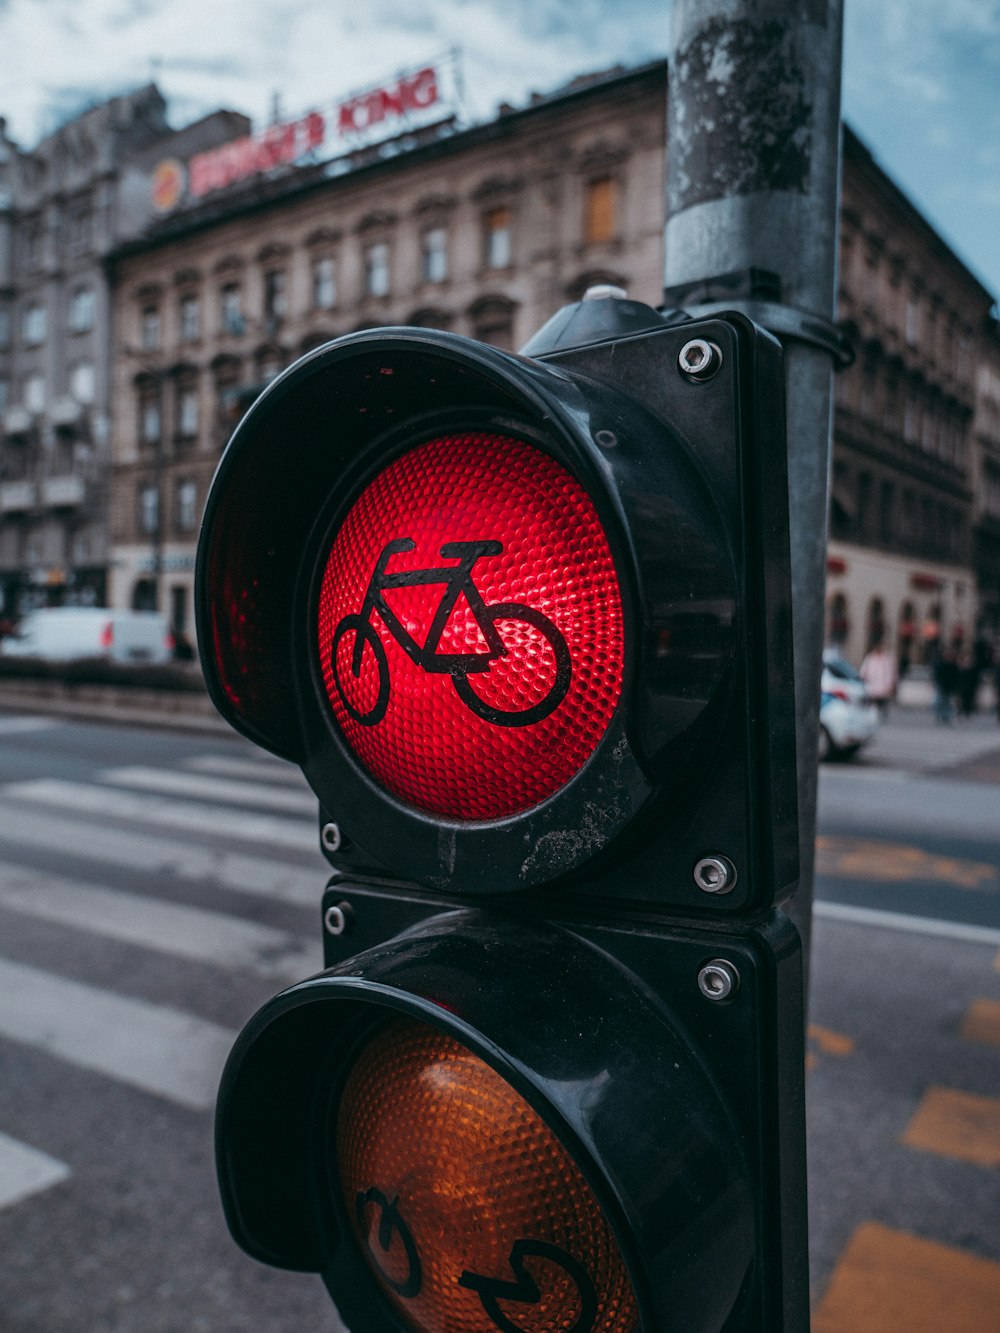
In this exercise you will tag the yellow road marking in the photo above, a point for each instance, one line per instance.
(888, 1280)
(890, 862)
(829, 1042)
(957, 1124)
(982, 1022)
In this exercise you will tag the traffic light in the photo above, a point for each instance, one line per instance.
(524, 623)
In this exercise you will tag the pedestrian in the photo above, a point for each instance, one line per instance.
(945, 684)
(878, 671)
(968, 683)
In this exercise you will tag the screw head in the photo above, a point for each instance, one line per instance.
(337, 918)
(715, 874)
(699, 360)
(718, 980)
(330, 837)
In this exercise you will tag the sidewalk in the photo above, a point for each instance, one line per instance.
(911, 739)
(171, 709)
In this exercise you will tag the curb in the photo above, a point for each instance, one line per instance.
(116, 705)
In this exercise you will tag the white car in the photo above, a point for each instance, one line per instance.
(847, 717)
(68, 633)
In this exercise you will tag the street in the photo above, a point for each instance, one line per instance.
(156, 887)
(904, 1083)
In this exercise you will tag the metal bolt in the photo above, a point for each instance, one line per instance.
(337, 918)
(330, 837)
(699, 360)
(718, 980)
(715, 874)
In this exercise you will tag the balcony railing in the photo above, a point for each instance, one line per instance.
(65, 492)
(17, 496)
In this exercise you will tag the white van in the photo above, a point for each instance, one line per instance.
(67, 633)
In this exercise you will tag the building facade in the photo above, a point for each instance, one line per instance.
(907, 485)
(63, 207)
(487, 231)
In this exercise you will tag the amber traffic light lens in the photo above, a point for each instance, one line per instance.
(468, 1209)
(470, 626)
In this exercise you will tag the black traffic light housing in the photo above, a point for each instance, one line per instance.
(612, 950)
(687, 476)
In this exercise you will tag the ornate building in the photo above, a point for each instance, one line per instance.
(63, 207)
(901, 561)
(487, 231)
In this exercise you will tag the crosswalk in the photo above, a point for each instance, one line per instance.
(209, 864)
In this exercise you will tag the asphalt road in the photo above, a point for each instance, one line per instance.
(156, 888)
(904, 1085)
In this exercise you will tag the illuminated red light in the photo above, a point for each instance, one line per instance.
(470, 626)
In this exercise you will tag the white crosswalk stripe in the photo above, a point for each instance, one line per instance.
(214, 821)
(263, 877)
(211, 788)
(182, 816)
(22, 724)
(25, 1171)
(152, 1047)
(184, 932)
(264, 770)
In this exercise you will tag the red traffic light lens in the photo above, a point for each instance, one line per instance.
(470, 626)
(470, 1212)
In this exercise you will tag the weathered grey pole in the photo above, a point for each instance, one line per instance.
(753, 153)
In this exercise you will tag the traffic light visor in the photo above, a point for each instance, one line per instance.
(470, 626)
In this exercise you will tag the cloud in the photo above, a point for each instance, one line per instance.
(920, 76)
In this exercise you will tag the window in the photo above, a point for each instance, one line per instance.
(81, 229)
(269, 365)
(33, 393)
(275, 297)
(497, 238)
(911, 419)
(600, 207)
(887, 511)
(434, 254)
(913, 319)
(34, 245)
(864, 503)
(231, 309)
(4, 393)
(83, 382)
(187, 506)
(33, 325)
(150, 327)
(493, 321)
(377, 269)
(149, 509)
(838, 622)
(187, 410)
(324, 284)
(150, 423)
(190, 312)
(81, 310)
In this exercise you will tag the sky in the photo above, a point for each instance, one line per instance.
(921, 77)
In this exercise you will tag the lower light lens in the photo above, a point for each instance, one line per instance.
(469, 1210)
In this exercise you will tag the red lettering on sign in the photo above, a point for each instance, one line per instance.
(420, 90)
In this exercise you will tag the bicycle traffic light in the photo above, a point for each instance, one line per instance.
(524, 623)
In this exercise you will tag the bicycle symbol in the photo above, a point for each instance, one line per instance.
(457, 580)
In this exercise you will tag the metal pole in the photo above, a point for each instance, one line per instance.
(753, 154)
